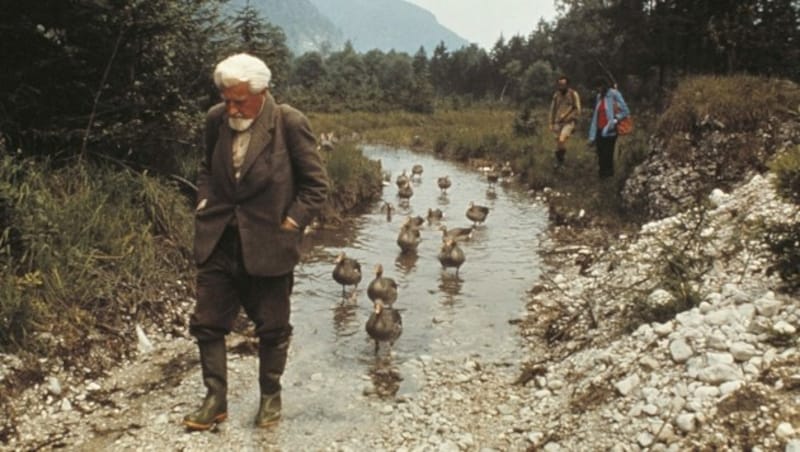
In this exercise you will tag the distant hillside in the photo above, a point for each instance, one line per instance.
(388, 24)
(305, 27)
(368, 24)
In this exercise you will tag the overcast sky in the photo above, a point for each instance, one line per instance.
(483, 21)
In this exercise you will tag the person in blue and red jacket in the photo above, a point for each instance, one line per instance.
(609, 108)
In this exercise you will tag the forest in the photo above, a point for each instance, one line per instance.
(130, 79)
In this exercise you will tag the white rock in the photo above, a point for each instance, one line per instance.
(555, 385)
(743, 351)
(645, 439)
(721, 316)
(793, 446)
(705, 307)
(718, 197)
(650, 409)
(387, 409)
(659, 297)
(535, 437)
(784, 431)
(66, 405)
(680, 350)
(53, 386)
(734, 293)
(767, 305)
(143, 343)
(92, 386)
(649, 363)
(552, 447)
(719, 373)
(719, 358)
(746, 312)
(717, 340)
(448, 446)
(690, 318)
(782, 327)
(685, 422)
(627, 384)
(729, 387)
(663, 329)
(704, 392)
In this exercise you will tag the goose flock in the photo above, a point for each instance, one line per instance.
(385, 324)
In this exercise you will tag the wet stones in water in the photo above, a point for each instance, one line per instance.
(382, 288)
(476, 213)
(451, 255)
(347, 272)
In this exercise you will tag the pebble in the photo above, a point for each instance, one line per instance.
(719, 373)
(784, 431)
(680, 350)
(743, 351)
(685, 422)
(663, 329)
(645, 439)
(628, 384)
(66, 406)
(783, 327)
(93, 386)
(793, 446)
(767, 305)
(53, 386)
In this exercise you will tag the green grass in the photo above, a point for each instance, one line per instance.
(83, 246)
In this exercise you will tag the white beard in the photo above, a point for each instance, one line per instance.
(240, 124)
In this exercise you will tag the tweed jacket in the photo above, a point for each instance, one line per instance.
(282, 175)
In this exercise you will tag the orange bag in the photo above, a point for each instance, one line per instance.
(625, 126)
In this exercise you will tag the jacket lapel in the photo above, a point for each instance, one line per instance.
(261, 134)
(224, 148)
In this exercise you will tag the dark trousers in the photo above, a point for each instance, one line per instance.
(223, 286)
(605, 154)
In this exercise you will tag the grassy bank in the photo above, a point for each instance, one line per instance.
(486, 135)
(86, 251)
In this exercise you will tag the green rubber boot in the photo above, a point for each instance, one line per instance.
(214, 408)
(271, 364)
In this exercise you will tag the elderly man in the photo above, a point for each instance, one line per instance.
(261, 182)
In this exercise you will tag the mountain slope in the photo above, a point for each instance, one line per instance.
(388, 24)
(306, 28)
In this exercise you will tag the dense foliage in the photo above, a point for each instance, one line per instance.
(132, 78)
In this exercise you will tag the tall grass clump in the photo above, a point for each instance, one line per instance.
(354, 178)
(738, 103)
(84, 247)
(786, 167)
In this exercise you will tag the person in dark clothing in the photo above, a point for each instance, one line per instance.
(260, 184)
(609, 108)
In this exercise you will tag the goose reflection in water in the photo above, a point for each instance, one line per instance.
(450, 287)
(344, 319)
(491, 194)
(385, 377)
(406, 262)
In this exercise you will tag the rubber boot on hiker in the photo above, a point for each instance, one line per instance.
(271, 364)
(214, 408)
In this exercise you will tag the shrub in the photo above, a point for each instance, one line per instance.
(786, 166)
(82, 246)
(739, 103)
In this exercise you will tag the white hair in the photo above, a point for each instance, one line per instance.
(242, 68)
